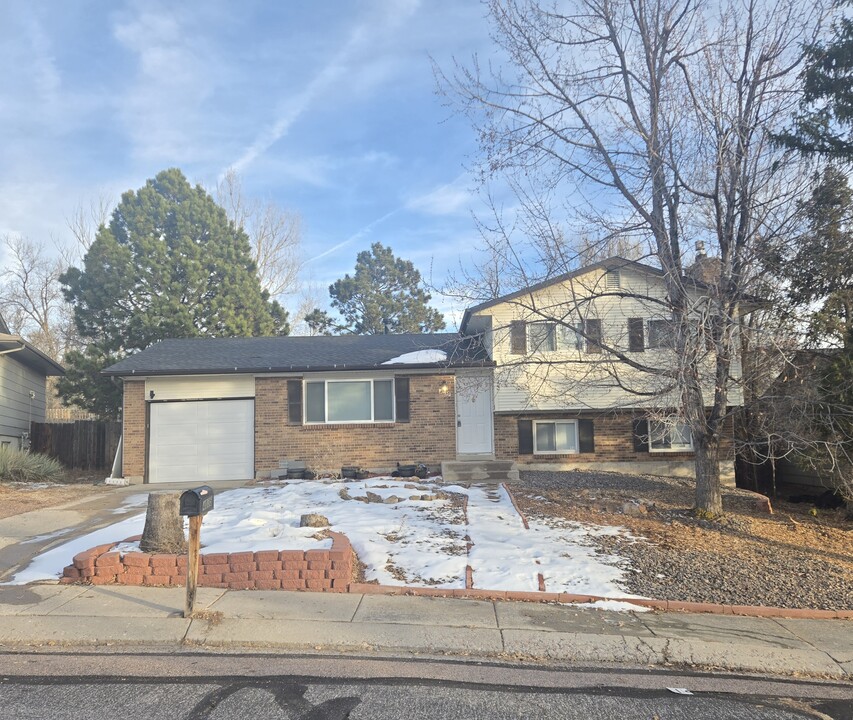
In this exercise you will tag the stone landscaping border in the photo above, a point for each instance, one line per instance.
(318, 570)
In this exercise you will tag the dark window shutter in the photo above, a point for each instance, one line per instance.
(592, 328)
(636, 341)
(525, 437)
(586, 436)
(401, 399)
(294, 401)
(641, 435)
(518, 337)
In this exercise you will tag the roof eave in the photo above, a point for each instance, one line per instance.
(297, 368)
(31, 356)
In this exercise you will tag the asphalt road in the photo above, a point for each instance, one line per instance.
(67, 686)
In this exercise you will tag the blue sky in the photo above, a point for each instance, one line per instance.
(328, 108)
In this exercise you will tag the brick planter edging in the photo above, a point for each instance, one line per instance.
(320, 570)
(664, 605)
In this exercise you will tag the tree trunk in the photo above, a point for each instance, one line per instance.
(164, 526)
(709, 500)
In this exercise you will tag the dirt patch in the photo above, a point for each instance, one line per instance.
(17, 498)
(792, 558)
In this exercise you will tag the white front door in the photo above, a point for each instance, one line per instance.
(201, 440)
(474, 415)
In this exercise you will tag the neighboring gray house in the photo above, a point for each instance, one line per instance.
(23, 386)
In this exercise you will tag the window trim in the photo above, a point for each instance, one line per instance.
(679, 449)
(372, 421)
(574, 422)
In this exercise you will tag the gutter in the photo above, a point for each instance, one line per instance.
(14, 350)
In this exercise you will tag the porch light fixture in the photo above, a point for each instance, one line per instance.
(444, 388)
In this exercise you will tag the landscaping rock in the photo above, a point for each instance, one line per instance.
(373, 497)
(314, 520)
(392, 500)
(762, 504)
(634, 509)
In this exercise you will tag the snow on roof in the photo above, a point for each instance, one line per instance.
(418, 357)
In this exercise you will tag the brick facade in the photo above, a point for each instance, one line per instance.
(614, 446)
(429, 437)
(133, 429)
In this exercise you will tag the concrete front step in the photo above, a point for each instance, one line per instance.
(491, 471)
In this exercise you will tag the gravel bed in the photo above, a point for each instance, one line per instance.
(688, 559)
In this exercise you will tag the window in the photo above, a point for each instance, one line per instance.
(349, 401)
(669, 436)
(660, 334)
(555, 437)
(570, 338)
(592, 329)
(542, 336)
(636, 342)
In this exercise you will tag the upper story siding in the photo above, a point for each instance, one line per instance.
(569, 376)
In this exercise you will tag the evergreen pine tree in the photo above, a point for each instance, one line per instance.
(168, 265)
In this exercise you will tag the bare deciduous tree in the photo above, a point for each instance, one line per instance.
(648, 121)
(275, 235)
(31, 296)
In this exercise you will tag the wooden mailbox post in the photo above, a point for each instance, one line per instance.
(195, 504)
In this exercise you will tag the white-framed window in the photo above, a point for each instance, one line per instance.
(541, 336)
(349, 401)
(669, 435)
(555, 437)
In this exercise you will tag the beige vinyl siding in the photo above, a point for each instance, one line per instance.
(570, 378)
(17, 409)
(200, 387)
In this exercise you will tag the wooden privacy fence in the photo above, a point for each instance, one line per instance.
(82, 444)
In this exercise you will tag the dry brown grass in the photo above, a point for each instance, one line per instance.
(742, 532)
(17, 499)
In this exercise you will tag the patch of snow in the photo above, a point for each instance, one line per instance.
(507, 556)
(410, 542)
(48, 536)
(611, 605)
(418, 357)
(49, 565)
(131, 503)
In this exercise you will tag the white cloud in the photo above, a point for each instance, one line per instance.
(341, 67)
(452, 198)
(162, 107)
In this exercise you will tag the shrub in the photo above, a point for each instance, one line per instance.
(17, 466)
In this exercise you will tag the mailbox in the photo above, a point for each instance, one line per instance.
(198, 501)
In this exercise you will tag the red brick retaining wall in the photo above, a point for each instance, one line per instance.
(323, 570)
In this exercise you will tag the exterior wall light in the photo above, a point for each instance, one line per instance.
(444, 388)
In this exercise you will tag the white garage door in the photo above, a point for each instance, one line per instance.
(202, 440)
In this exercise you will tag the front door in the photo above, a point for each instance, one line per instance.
(474, 415)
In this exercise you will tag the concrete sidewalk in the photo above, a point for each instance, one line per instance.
(369, 624)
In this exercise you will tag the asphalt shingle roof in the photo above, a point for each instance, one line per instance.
(283, 354)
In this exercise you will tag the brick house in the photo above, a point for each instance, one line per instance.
(516, 383)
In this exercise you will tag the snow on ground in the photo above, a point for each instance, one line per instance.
(418, 357)
(611, 605)
(507, 556)
(407, 542)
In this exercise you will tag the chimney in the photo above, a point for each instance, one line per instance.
(700, 250)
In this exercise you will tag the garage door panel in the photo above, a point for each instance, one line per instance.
(201, 440)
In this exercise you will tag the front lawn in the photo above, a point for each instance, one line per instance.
(796, 557)
(404, 533)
